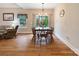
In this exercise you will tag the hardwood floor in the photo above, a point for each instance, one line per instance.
(22, 45)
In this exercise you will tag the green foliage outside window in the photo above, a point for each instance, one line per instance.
(42, 21)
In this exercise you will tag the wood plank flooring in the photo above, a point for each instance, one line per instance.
(22, 45)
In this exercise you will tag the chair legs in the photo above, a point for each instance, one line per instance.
(40, 39)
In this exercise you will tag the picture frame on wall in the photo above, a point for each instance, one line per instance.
(8, 16)
(22, 19)
(62, 12)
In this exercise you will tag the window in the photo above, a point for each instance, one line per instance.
(42, 21)
(22, 19)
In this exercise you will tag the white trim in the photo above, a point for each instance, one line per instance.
(67, 43)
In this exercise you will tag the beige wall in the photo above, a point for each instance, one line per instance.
(67, 27)
(30, 12)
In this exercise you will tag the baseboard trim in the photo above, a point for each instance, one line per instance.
(68, 44)
(23, 33)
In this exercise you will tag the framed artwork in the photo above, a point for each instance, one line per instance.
(22, 19)
(8, 16)
(62, 12)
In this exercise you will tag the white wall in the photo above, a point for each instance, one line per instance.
(30, 12)
(67, 27)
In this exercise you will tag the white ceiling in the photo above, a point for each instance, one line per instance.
(28, 5)
(8, 5)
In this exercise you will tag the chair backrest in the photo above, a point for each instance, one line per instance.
(16, 27)
(33, 30)
(15, 30)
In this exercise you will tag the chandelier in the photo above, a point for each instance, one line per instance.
(42, 13)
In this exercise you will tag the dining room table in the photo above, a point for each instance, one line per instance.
(43, 33)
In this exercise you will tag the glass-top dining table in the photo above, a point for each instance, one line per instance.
(43, 32)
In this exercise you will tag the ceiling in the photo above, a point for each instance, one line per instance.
(28, 5)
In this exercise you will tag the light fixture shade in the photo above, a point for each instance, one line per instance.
(46, 14)
(42, 13)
